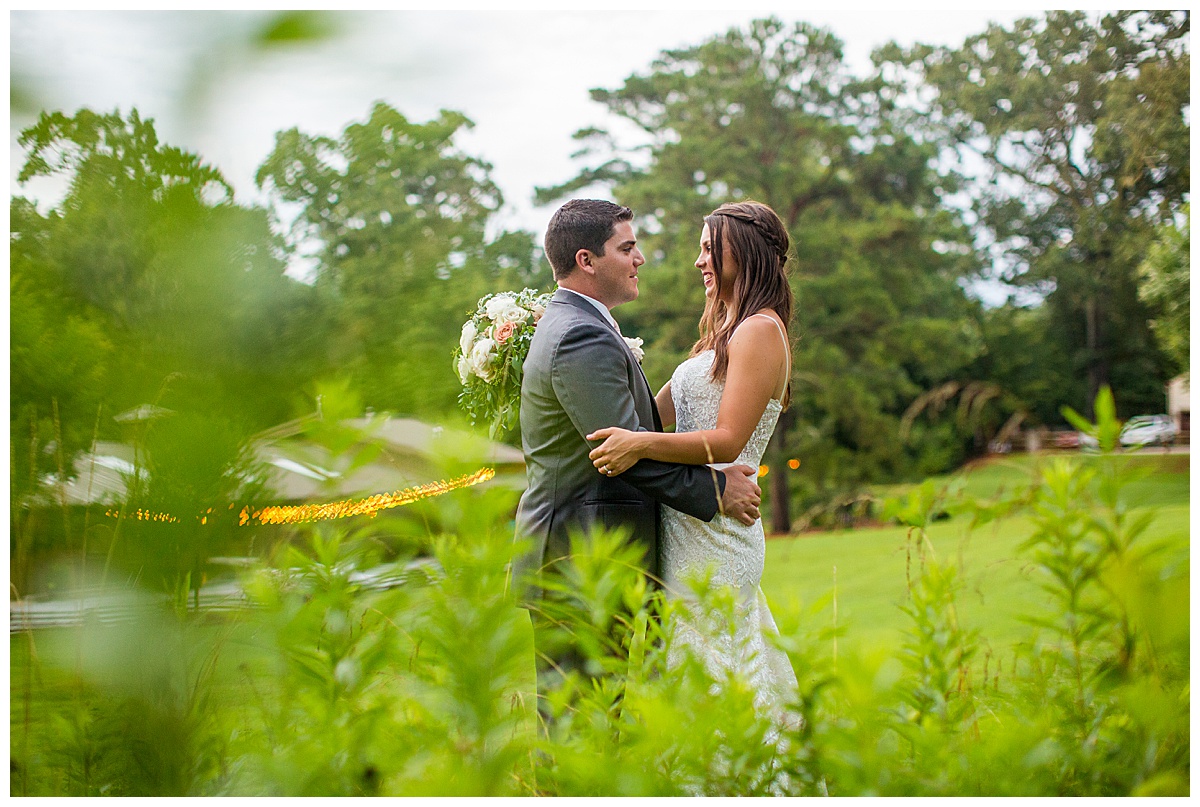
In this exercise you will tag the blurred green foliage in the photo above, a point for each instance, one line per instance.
(149, 284)
(325, 685)
(297, 27)
(1166, 282)
(161, 289)
(146, 285)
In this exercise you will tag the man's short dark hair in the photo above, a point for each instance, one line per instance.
(581, 224)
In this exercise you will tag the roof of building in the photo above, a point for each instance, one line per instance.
(381, 454)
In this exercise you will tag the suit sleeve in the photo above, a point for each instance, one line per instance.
(591, 380)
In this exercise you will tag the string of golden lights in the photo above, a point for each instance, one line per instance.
(304, 513)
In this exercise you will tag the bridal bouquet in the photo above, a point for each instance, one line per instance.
(491, 354)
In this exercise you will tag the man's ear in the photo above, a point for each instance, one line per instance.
(583, 260)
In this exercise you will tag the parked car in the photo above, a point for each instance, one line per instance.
(1149, 430)
(1143, 430)
(1066, 439)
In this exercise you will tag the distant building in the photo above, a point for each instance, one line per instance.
(402, 453)
(409, 453)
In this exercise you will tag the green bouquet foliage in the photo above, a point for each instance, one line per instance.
(491, 355)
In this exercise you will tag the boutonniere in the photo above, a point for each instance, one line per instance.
(635, 347)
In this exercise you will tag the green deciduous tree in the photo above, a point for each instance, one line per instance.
(1082, 132)
(1029, 360)
(58, 356)
(145, 284)
(148, 241)
(770, 113)
(1165, 286)
(395, 217)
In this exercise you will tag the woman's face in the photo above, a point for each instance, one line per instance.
(708, 271)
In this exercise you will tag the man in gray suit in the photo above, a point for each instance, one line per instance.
(581, 376)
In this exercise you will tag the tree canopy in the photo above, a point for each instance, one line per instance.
(1165, 286)
(1082, 130)
(147, 283)
(395, 218)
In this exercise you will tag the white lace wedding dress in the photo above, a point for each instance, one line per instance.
(733, 552)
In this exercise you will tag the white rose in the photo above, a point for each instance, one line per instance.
(516, 315)
(469, 332)
(464, 369)
(538, 311)
(501, 309)
(496, 306)
(481, 358)
(635, 347)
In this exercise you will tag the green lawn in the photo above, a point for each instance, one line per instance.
(1166, 480)
(871, 563)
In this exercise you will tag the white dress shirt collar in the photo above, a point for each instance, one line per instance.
(601, 307)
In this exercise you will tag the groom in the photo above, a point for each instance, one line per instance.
(580, 376)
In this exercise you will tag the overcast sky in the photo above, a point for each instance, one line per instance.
(522, 76)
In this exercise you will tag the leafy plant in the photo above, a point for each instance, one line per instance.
(329, 685)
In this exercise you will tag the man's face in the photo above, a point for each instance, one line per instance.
(616, 271)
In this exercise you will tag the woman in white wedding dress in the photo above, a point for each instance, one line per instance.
(725, 401)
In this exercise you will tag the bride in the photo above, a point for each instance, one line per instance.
(724, 401)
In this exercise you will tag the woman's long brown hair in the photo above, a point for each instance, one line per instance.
(758, 243)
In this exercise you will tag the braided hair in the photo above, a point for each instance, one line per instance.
(758, 244)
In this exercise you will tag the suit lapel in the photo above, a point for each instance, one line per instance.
(578, 303)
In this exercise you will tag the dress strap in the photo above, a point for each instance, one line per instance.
(787, 350)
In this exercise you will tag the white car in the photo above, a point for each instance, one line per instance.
(1143, 430)
(1149, 430)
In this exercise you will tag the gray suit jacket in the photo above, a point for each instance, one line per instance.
(580, 376)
